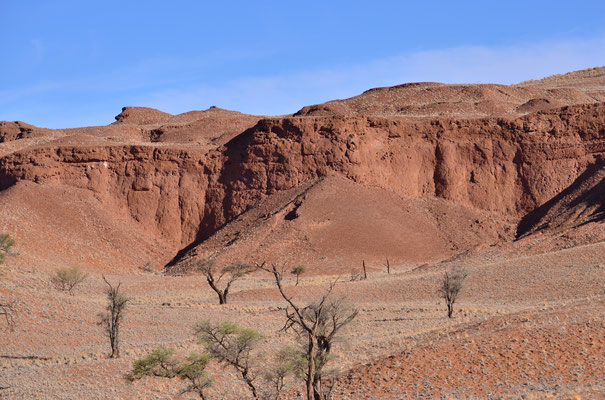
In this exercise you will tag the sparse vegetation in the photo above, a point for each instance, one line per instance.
(226, 343)
(298, 271)
(317, 325)
(66, 279)
(111, 319)
(146, 267)
(451, 285)
(6, 244)
(234, 272)
(162, 363)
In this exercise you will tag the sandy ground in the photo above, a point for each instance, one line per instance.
(525, 327)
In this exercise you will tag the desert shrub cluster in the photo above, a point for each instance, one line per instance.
(66, 279)
(315, 329)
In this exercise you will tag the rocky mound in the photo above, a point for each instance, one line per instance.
(535, 105)
(589, 81)
(10, 131)
(214, 126)
(337, 223)
(141, 116)
(438, 101)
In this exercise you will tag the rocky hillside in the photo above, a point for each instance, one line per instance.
(494, 153)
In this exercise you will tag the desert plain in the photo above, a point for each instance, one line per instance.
(505, 181)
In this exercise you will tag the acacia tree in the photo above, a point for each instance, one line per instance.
(319, 324)
(162, 363)
(288, 361)
(298, 271)
(233, 272)
(231, 345)
(227, 343)
(111, 319)
(451, 285)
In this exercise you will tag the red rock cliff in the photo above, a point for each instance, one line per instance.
(507, 166)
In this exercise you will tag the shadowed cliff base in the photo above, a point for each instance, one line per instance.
(583, 202)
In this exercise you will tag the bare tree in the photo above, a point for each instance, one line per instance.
(66, 279)
(298, 271)
(365, 273)
(6, 244)
(451, 285)
(231, 345)
(318, 324)
(388, 267)
(233, 272)
(162, 363)
(111, 320)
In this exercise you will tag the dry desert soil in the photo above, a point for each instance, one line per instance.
(505, 181)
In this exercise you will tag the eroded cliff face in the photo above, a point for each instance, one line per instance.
(508, 166)
(163, 189)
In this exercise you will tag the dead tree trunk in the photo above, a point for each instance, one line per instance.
(311, 368)
(112, 318)
(222, 295)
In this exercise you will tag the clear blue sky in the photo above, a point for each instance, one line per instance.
(76, 63)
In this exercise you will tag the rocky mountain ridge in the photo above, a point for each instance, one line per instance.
(183, 178)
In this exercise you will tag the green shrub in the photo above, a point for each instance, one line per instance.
(6, 243)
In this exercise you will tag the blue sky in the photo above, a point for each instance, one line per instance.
(76, 63)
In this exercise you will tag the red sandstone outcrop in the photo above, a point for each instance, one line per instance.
(141, 116)
(183, 177)
(10, 131)
(436, 100)
(208, 127)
